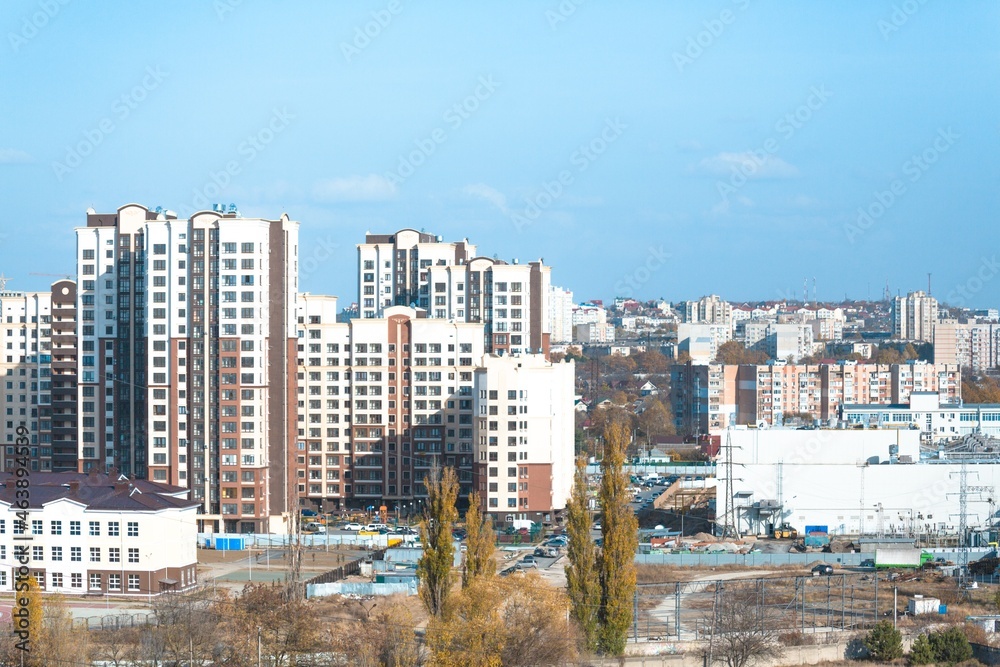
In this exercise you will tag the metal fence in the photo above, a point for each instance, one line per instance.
(749, 560)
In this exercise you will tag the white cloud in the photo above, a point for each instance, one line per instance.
(748, 163)
(491, 195)
(354, 188)
(13, 156)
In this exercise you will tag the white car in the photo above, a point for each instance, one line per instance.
(354, 527)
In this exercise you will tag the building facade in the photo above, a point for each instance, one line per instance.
(37, 350)
(188, 354)
(972, 346)
(99, 534)
(561, 314)
(767, 394)
(524, 437)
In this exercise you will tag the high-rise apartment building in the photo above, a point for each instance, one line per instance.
(382, 401)
(705, 398)
(187, 360)
(914, 317)
(448, 281)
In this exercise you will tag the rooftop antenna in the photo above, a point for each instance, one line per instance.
(928, 283)
(805, 291)
(814, 289)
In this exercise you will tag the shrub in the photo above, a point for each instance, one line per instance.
(884, 642)
(921, 652)
(950, 646)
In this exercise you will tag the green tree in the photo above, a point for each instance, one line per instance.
(582, 583)
(921, 652)
(434, 566)
(884, 642)
(950, 646)
(480, 543)
(616, 563)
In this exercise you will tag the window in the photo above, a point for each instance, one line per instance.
(74, 527)
(115, 555)
(57, 580)
(76, 580)
(114, 582)
(57, 553)
(37, 553)
(133, 554)
(113, 529)
(133, 582)
(95, 554)
(76, 554)
(95, 582)
(95, 528)
(36, 526)
(133, 529)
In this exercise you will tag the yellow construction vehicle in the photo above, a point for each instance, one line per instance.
(785, 532)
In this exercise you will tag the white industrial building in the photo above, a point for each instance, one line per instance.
(925, 412)
(854, 481)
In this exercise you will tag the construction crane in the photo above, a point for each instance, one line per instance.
(64, 276)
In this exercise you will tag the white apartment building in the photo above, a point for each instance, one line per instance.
(594, 332)
(710, 309)
(392, 268)
(702, 341)
(787, 342)
(99, 534)
(524, 436)
(914, 317)
(561, 314)
(187, 356)
(449, 281)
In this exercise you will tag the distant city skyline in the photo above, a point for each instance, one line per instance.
(731, 148)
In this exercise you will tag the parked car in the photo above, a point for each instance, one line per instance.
(313, 527)
(597, 526)
(526, 562)
(376, 527)
(354, 527)
(868, 562)
(822, 569)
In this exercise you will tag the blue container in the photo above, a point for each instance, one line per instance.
(943, 609)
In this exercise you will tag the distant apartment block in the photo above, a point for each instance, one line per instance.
(594, 332)
(710, 309)
(561, 314)
(701, 341)
(187, 362)
(914, 317)
(975, 347)
(787, 342)
(702, 396)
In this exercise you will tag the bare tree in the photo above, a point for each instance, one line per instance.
(744, 630)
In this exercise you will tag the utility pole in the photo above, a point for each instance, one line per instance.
(963, 521)
(729, 527)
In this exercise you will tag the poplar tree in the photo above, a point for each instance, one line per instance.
(479, 544)
(616, 563)
(583, 586)
(435, 566)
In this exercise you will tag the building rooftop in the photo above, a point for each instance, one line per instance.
(97, 491)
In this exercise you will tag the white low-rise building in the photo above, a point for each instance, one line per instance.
(925, 412)
(98, 534)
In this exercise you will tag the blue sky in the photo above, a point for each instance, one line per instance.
(655, 148)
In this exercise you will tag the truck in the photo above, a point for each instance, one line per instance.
(901, 558)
